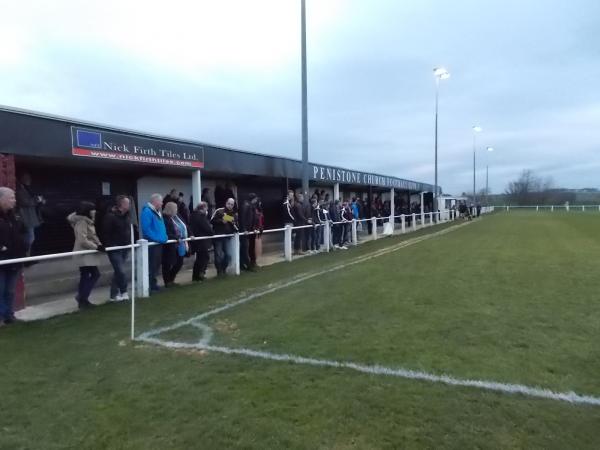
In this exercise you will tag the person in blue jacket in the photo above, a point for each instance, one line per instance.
(154, 230)
(355, 209)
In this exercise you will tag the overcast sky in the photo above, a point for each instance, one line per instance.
(228, 72)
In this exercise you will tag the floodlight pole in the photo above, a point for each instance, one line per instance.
(476, 129)
(304, 103)
(474, 150)
(487, 186)
(437, 95)
(440, 74)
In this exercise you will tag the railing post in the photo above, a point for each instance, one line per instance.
(287, 243)
(403, 223)
(326, 237)
(354, 233)
(422, 219)
(142, 281)
(234, 251)
(430, 219)
(583, 208)
(552, 208)
(374, 227)
(414, 222)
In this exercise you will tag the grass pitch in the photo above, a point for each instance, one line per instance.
(511, 298)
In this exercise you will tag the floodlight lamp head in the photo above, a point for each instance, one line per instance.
(441, 73)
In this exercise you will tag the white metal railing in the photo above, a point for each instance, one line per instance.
(139, 249)
(552, 208)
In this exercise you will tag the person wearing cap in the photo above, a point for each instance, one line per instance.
(224, 221)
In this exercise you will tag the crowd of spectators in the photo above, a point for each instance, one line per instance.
(167, 222)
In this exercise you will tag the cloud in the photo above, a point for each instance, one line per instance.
(228, 73)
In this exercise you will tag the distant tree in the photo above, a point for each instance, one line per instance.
(519, 191)
(530, 189)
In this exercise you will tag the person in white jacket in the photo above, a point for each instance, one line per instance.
(86, 238)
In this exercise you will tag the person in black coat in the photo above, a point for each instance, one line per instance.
(116, 232)
(182, 210)
(317, 230)
(288, 213)
(308, 232)
(170, 197)
(336, 216)
(200, 226)
(13, 244)
(247, 219)
(299, 214)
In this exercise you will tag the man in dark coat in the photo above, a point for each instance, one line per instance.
(335, 215)
(116, 232)
(28, 208)
(200, 227)
(170, 197)
(247, 218)
(13, 238)
(308, 232)
(299, 214)
(288, 211)
(182, 210)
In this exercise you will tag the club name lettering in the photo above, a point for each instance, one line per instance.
(323, 173)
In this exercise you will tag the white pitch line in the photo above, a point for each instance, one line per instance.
(207, 334)
(506, 388)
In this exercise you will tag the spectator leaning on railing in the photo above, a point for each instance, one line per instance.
(317, 229)
(289, 217)
(301, 220)
(116, 233)
(224, 221)
(308, 232)
(173, 254)
(153, 229)
(13, 237)
(255, 248)
(200, 226)
(247, 218)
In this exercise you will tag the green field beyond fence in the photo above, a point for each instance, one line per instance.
(512, 299)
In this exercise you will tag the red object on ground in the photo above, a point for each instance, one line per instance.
(8, 178)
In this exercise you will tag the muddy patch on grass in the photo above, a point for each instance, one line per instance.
(227, 327)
